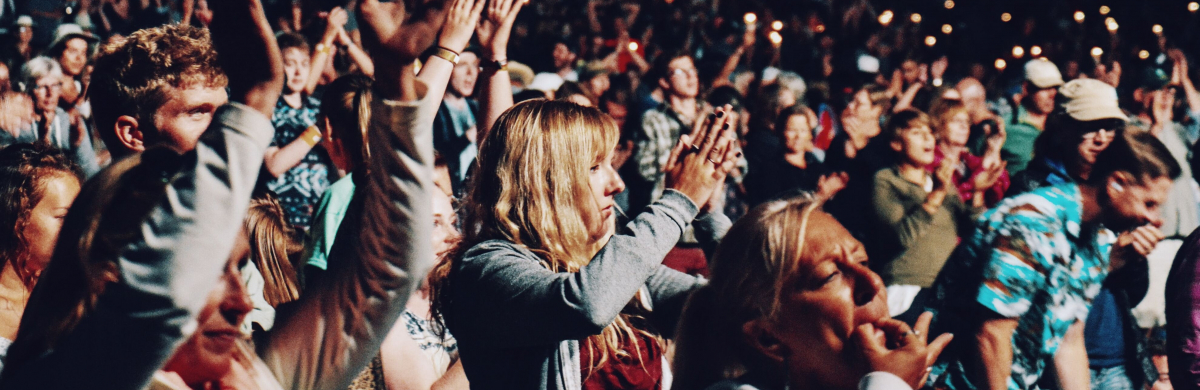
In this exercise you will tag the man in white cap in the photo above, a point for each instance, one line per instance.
(1042, 80)
(70, 49)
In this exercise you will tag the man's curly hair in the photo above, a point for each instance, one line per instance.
(132, 76)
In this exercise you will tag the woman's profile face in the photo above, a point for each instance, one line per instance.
(46, 219)
(605, 184)
(832, 293)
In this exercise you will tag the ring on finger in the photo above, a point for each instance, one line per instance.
(712, 161)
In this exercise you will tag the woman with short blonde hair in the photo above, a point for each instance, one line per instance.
(792, 305)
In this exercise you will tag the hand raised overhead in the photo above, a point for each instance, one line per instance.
(248, 53)
(395, 33)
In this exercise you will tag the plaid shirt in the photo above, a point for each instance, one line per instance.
(661, 129)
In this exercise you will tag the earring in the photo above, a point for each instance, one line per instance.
(1118, 187)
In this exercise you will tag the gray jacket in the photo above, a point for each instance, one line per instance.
(321, 341)
(518, 324)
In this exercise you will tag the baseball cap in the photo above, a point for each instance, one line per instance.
(1043, 73)
(1091, 99)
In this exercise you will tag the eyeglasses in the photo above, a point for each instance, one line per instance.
(1104, 133)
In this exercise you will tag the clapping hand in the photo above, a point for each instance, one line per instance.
(700, 161)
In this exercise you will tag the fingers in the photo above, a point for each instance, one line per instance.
(896, 330)
(922, 325)
(864, 335)
(476, 9)
(934, 349)
(684, 141)
(718, 127)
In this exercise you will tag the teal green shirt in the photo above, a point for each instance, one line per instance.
(1018, 145)
(326, 221)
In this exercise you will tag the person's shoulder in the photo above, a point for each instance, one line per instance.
(494, 251)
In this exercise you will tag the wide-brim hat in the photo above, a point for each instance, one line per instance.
(69, 31)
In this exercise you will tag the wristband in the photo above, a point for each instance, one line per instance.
(323, 48)
(446, 54)
(497, 65)
(311, 136)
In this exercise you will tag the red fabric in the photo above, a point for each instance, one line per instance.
(963, 183)
(825, 137)
(690, 261)
(628, 373)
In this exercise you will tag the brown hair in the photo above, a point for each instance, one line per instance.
(1137, 153)
(105, 218)
(904, 120)
(346, 103)
(24, 169)
(132, 76)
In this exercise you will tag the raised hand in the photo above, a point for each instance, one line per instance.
(943, 177)
(335, 21)
(248, 53)
(460, 24)
(699, 163)
(829, 185)
(900, 350)
(494, 29)
(989, 175)
(398, 32)
(395, 34)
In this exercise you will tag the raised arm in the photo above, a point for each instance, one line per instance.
(461, 19)
(335, 329)
(493, 34)
(320, 57)
(170, 259)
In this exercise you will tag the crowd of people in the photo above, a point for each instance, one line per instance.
(596, 194)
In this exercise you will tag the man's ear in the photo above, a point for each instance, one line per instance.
(664, 84)
(759, 336)
(897, 146)
(128, 133)
(1117, 183)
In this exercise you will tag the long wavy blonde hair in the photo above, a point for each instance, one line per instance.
(531, 188)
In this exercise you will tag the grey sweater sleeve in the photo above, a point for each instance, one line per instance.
(167, 271)
(381, 252)
(505, 297)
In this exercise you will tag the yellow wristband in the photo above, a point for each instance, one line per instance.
(323, 48)
(311, 136)
(446, 54)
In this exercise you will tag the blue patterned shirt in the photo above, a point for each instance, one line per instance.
(1031, 259)
(300, 188)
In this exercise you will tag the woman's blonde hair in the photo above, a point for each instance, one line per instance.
(531, 188)
(749, 271)
(943, 114)
(271, 247)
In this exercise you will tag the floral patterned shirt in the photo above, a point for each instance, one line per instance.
(1031, 259)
